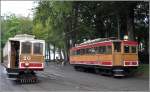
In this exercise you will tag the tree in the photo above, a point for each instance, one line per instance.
(12, 25)
(53, 22)
(77, 21)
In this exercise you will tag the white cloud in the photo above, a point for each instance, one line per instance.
(20, 8)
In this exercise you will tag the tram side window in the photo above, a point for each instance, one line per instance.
(109, 50)
(87, 51)
(130, 49)
(75, 53)
(72, 53)
(82, 51)
(102, 49)
(133, 49)
(38, 48)
(26, 47)
(92, 51)
(78, 52)
(96, 50)
(126, 49)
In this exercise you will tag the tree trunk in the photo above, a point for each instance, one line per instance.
(118, 27)
(1, 57)
(60, 55)
(49, 51)
(65, 55)
(130, 24)
(123, 25)
(75, 24)
(54, 50)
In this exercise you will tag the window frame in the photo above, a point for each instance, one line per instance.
(41, 48)
(107, 50)
(102, 49)
(23, 45)
(130, 49)
(135, 49)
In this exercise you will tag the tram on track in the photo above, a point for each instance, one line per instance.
(106, 56)
(22, 56)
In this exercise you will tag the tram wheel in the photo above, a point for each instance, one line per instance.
(79, 68)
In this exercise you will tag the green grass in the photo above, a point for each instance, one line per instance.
(143, 69)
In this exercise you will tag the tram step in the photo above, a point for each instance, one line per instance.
(11, 78)
(12, 73)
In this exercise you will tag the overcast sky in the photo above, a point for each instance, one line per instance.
(20, 8)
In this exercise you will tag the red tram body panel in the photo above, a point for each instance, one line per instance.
(108, 53)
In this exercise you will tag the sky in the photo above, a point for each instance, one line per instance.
(19, 8)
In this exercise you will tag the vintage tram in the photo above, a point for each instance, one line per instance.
(106, 56)
(22, 56)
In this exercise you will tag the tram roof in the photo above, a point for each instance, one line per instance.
(25, 37)
(103, 43)
(90, 42)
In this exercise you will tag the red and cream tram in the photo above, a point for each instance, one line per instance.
(115, 57)
(22, 55)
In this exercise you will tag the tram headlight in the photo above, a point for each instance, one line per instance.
(26, 64)
(126, 37)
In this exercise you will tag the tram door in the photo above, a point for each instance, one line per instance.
(15, 54)
(117, 57)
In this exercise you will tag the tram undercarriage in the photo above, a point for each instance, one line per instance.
(110, 71)
(27, 76)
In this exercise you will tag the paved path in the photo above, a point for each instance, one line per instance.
(59, 78)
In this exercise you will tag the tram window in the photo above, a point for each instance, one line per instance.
(75, 53)
(72, 53)
(117, 46)
(82, 51)
(92, 51)
(102, 49)
(87, 51)
(26, 48)
(96, 50)
(78, 52)
(99, 51)
(109, 50)
(38, 48)
(126, 49)
(133, 49)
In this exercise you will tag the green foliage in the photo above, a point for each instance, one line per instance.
(58, 22)
(13, 25)
(49, 21)
(142, 70)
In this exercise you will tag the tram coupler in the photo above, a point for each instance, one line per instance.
(118, 72)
